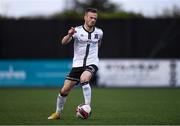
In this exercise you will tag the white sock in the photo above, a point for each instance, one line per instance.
(87, 93)
(60, 103)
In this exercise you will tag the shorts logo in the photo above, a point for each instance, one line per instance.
(91, 68)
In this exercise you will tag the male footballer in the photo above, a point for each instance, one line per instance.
(87, 39)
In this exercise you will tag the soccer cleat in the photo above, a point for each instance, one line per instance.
(54, 116)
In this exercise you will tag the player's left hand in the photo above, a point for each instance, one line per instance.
(71, 31)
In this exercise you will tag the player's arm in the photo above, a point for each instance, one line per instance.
(99, 43)
(100, 40)
(66, 39)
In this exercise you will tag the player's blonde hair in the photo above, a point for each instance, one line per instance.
(93, 10)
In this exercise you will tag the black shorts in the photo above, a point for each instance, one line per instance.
(76, 72)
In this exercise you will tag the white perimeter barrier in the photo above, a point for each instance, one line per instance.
(177, 73)
(138, 73)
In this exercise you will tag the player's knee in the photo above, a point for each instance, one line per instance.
(84, 79)
(84, 82)
(64, 92)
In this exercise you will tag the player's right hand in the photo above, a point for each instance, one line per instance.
(71, 31)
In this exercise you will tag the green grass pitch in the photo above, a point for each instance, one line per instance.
(110, 106)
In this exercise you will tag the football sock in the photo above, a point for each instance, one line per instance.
(87, 93)
(60, 103)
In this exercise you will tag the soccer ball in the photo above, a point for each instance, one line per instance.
(83, 111)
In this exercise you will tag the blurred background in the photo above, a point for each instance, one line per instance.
(140, 45)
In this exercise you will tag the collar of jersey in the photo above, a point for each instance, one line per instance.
(88, 31)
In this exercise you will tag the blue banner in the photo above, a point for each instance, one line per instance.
(33, 73)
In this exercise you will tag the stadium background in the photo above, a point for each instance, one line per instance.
(143, 49)
(36, 44)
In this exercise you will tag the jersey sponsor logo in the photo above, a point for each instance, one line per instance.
(95, 36)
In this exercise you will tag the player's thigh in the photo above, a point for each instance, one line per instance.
(85, 76)
(68, 85)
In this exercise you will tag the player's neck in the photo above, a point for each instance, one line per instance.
(87, 28)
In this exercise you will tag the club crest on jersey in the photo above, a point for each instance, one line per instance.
(95, 36)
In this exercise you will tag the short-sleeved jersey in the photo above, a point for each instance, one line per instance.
(86, 46)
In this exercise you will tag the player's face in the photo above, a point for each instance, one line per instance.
(90, 19)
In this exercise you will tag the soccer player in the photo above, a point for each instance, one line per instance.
(87, 39)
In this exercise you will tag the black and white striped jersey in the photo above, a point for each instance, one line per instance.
(86, 46)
